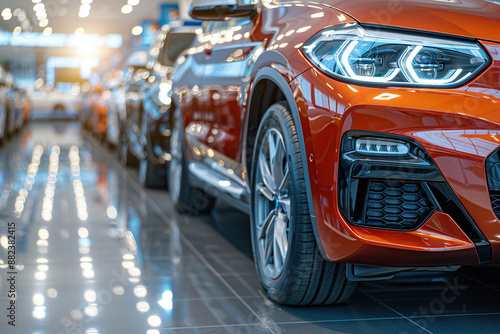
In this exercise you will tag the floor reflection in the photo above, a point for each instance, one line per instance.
(93, 255)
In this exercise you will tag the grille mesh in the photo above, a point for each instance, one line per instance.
(495, 202)
(396, 205)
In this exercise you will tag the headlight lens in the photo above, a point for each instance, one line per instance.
(390, 58)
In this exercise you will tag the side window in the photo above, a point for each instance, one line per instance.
(212, 26)
(175, 43)
(240, 21)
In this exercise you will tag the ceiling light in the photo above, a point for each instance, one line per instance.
(38, 6)
(17, 11)
(17, 30)
(137, 30)
(85, 8)
(47, 31)
(133, 2)
(43, 23)
(83, 13)
(36, 1)
(7, 14)
(86, 2)
(127, 9)
(79, 31)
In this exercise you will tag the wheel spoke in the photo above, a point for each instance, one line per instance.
(266, 192)
(281, 240)
(271, 144)
(278, 162)
(265, 225)
(265, 171)
(277, 259)
(285, 204)
(285, 181)
(268, 245)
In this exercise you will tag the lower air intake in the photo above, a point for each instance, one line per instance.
(396, 205)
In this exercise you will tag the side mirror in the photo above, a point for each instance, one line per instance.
(220, 10)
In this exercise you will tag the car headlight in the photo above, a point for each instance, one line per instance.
(389, 58)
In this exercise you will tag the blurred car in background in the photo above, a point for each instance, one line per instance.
(99, 111)
(86, 110)
(16, 117)
(114, 98)
(128, 90)
(48, 101)
(26, 106)
(147, 127)
(4, 105)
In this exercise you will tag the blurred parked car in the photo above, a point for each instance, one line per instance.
(51, 100)
(26, 105)
(359, 149)
(114, 98)
(4, 105)
(16, 117)
(128, 91)
(148, 99)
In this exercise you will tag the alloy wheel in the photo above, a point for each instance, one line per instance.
(272, 204)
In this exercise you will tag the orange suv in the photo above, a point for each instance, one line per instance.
(362, 137)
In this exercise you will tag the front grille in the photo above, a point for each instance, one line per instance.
(396, 205)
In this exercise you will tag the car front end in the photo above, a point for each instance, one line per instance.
(404, 134)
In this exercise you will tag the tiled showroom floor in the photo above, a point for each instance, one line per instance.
(96, 253)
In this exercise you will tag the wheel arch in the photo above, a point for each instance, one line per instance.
(276, 89)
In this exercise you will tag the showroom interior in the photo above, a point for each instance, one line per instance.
(249, 166)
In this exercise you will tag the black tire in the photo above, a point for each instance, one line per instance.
(127, 158)
(151, 175)
(187, 199)
(291, 270)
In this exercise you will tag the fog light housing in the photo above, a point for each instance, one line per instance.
(382, 181)
(381, 146)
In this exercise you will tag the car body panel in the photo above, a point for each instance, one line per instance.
(467, 117)
(467, 18)
(457, 127)
(114, 100)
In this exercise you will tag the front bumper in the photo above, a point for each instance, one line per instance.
(458, 129)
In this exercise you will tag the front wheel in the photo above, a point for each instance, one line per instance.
(289, 264)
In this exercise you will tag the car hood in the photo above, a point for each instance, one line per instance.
(469, 18)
